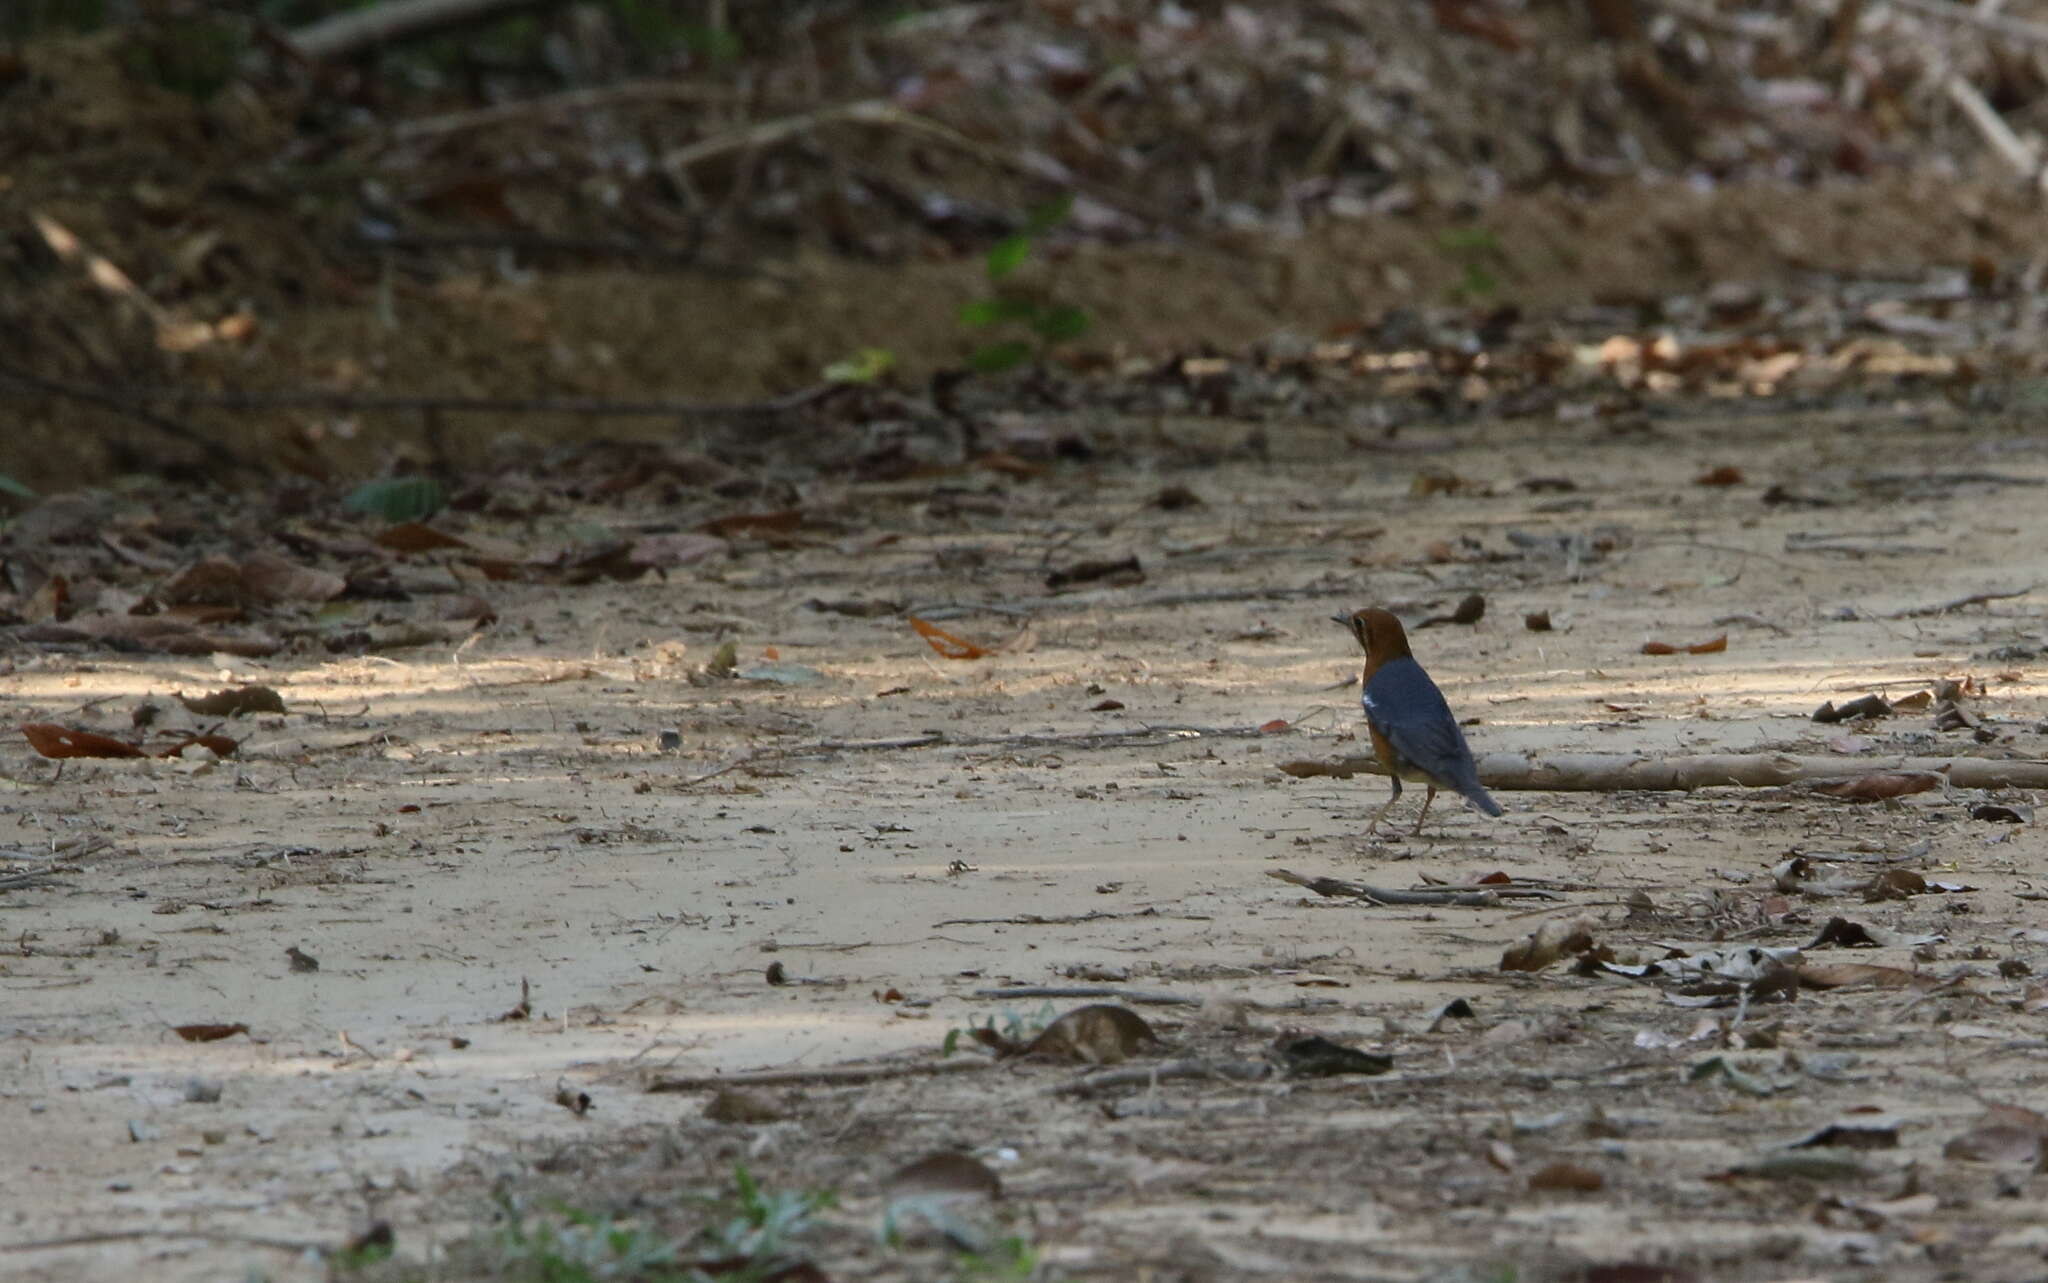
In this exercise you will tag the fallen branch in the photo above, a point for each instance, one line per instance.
(1458, 897)
(1147, 1075)
(355, 30)
(2015, 151)
(1619, 772)
(129, 410)
(317, 399)
(1068, 919)
(569, 102)
(824, 1076)
(1974, 599)
(1146, 997)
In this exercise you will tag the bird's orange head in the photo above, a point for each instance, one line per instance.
(1379, 633)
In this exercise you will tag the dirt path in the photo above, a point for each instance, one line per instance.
(434, 830)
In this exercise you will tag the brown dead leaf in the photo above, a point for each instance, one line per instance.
(1099, 1034)
(1010, 465)
(218, 745)
(417, 536)
(1119, 573)
(208, 1033)
(215, 581)
(1879, 787)
(1568, 1177)
(1303, 769)
(1537, 621)
(1712, 646)
(2005, 1135)
(1438, 481)
(270, 579)
(1725, 475)
(234, 702)
(1274, 727)
(948, 1176)
(1106, 706)
(57, 741)
(948, 646)
(153, 632)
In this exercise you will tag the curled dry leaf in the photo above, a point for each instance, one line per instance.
(1120, 573)
(1099, 1034)
(1303, 769)
(1568, 1177)
(208, 1033)
(1537, 621)
(1314, 1056)
(1712, 646)
(218, 745)
(947, 1175)
(234, 702)
(1869, 706)
(1470, 610)
(1843, 975)
(1879, 787)
(57, 741)
(2005, 1134)
(948, 646)
(1725, 475)
(270, 579)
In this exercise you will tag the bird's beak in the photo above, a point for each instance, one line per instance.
(1341, 619)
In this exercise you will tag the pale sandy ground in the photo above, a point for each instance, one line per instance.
(435, 828)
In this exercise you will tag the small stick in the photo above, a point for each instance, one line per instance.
(1145, 997)
(1146, 1075)
(827, 1076)
(1336, 887)
(1974, 599)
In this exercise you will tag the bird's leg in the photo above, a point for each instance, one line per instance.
(1427, 798)
(1385, 806)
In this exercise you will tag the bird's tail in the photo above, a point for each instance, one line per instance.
(1480, 798)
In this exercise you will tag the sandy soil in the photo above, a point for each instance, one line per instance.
(437, 829)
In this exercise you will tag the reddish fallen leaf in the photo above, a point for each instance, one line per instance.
(1106, 706)
(948, 646)
(234, 702)
(1009, 465)
(417, 536)
(1879, 787)
(267, 577)
(1304, 769)
(755, 523)
(1712, 646)
(221, 745)
(1497, 878)
(1724, 475)
(1843, 974)
(57, 741)
(1568, 1176)
(208, 1033)
(1273, 727)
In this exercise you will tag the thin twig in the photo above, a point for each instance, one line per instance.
(139, 413)
(826, 1076)
(1145, 997)
(1146, 1075)
(1338, 888)
(313, 398)
(1974, 599)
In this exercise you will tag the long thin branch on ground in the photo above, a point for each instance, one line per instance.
(317, 399)
(1974, 599)
(1620, 772)
(1145, 997)
(823, 1076)
(1458, 897)
(130, 410)
(355, 30)
(1146, 1075)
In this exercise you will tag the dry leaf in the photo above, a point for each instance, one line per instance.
(269, 578)
(1725, 475)
(1879, 787)
(947, 1176)
(1303, 769)
(57, 741)
(1548, 943)
(218, 745)
(1568, 1176)
(1842, 975)
(208, 1033)
(1710, 647)
(683, 548)
(235, 702)
(948, 646)
(417, 536)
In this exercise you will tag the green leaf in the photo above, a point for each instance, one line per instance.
(997, 357)
(1058, 324)
(8, 485)
(1007, 255)
(397, 499)
(1049, 215)
(991, 311)
(864, 366)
